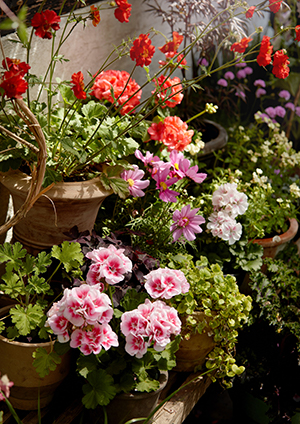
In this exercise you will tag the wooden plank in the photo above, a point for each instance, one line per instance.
(32, 417)
(72, 412)
(176, 410)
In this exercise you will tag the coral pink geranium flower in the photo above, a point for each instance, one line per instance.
(134, 179)
(43, 23)
(186, 223)
(172, 132)
(169, 91)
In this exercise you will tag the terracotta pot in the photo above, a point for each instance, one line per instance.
(127, 406)
(192, 353)
(16, 361)
(273, 245)
(63, 207)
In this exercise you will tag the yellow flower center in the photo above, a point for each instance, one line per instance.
(163, 185)
(130, 182)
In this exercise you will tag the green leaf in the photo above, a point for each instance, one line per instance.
(69, 254)
(38, 285)
(26, 319)
(13, 286)
(67, 94)
(119, 187)
(93, 110)
(147, 385)
(45, 362)
(99, 390)
(42, 262)
(12, 253)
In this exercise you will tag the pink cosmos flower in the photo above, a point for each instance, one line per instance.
(163, 184)
(181, 168)
(186, 223)
(166, 283)
(134, 179)
(5, 386)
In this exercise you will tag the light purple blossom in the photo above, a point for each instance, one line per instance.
(186, 223)
(280, 111)
(298, 110)
(203, 62)
(134, 179)
(248, 70)
(222, 82)
(290, 105)
(284, 94)
(259, 83)
(182, 168)
(260, 92)
(271, 111)
(148, 159)
(241, 64)
(229, 75)
(241, 73)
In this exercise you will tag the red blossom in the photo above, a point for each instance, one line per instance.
(264, 57)
(170, 48)
(274, 5)
(125, 90)
(78, 89)
(170, 91)
(280, 64)
(241, 46)
(297, 29)
(123, 11)
(142, 50)
(250, 12)
(13, 85)
(95, 14)
(43, 23)
(16, 66)
(173, 133)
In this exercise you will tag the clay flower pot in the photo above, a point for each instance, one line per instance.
(64, 206)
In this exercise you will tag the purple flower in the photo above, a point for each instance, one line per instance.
(241, 64)
(290, 105)
(298, 110)
(248, 70)
(186, 223)
(134, 179)
(260, 92)
(280, 111)
(277, 171)
(241, 74)
(222, 82)
(193, 174)
(229, 75)
(284, 94)
(271, 111)
(163, 184)
(240, 94)
(203, 62)
(259, 83)
(182, 168)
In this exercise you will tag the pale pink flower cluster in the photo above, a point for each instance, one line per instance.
(108, 263)
(151, 323)
(166, 283)
(228, 203)
(5, 386)
(82, 317)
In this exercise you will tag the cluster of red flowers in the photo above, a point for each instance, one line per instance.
(170, 49)
(95, 15)
(117, 87)
(264, 57)
(172, 132)
(142, 50)
(241, 46)
(12, 81)
(297, 29)
(274, 5)
(123, 11)
(43, 23)
(170, 91)
(78, 88)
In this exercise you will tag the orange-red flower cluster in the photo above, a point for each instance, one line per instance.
(173, 133)
(142, 50)
(170, 91)
(250, 12)
(12, 81)
(264, 57)
(297, 30)
(45, 21)
(241, 46)
(274, 5)
(123, 11)
(125, 90)
(95, 15)
(280, 64)
(78, 88)
(170, 49)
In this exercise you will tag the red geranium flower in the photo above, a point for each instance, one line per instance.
(16, 66)
(241, 46)
(170, 91)
(173, 133)
(142, 50)
(45, 21)
(95, 15)
(264, 57)
(280, 64)
(170, 48)
(13, 85)
(123, 10)
(297, 29)
(274, 5)
(78, 89)
(250, 12)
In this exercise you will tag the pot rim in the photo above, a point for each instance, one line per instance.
(287, 236)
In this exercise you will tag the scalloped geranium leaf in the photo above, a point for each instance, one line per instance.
(13, 286)
(69, 254)
(38, 285)
(99, 390)
(12, 253)
(147, 385)
(45, 362)
(26, 319)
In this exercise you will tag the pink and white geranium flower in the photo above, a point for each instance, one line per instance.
(166, 283)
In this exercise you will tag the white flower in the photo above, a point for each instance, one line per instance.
(295, 190)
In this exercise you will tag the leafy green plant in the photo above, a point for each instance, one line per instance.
(226, 310)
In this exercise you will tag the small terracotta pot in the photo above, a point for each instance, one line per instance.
(61, 208)
(16, 362)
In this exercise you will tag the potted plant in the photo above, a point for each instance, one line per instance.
(31, 286)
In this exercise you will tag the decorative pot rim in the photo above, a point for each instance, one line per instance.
(288, 235)
(218, 142)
